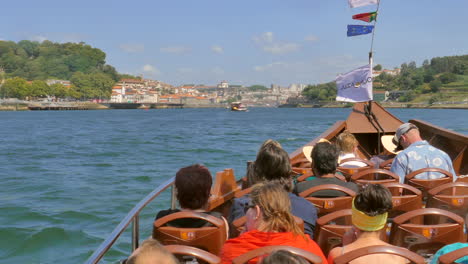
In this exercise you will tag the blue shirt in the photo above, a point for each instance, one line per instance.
(448, 249)
(300, 207)
(421, 155)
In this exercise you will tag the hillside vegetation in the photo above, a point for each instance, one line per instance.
(36, 62)
(440, 79)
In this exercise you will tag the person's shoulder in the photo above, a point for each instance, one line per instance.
(299, 202)
(167, 212)
(351, 185)
(215, 214)
(302, 186)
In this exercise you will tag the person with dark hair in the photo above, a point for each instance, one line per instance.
(269, 222)
(369, 217)
(193, 186)
(324, 162)
(273, 164)
(150, 252)
(284, 257)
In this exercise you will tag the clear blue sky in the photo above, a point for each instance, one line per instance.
(245, 41)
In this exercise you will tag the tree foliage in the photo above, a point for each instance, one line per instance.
(430, 77)
(320, 92)
(32, 61)
(255, 88)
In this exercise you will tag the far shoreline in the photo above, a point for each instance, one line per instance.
(97, 106)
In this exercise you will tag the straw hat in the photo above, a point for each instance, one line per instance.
(391, 142)
(387, 143)
(307, 150)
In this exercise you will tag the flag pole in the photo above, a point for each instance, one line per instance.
(369, 106)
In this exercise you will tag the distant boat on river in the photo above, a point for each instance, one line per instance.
(238, 106)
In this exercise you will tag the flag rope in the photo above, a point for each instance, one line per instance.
(373, 31)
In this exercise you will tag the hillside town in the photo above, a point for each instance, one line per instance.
(151, 91)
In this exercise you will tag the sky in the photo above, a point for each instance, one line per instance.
(244, 42)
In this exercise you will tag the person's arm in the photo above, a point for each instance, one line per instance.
(334, 253)
(399, 168)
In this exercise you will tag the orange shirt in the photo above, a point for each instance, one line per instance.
(255, 239)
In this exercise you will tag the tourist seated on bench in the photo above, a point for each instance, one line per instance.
(348, 145)
(269, 222)
(151, 251)
(416, 154)
(369, 217)
(324, 161)
(273, 164)
(193, 186)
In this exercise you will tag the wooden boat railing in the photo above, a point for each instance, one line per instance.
(132, 217)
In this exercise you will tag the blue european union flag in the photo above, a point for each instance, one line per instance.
(354, 30)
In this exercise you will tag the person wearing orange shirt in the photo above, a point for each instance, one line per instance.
(269, 222)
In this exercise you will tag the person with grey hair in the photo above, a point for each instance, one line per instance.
(417, 154)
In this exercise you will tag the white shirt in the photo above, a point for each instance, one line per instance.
(350, 164)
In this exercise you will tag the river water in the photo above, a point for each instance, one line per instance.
(69, 177)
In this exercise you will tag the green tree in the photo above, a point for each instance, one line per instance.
(377, 67)
(39, 89)
(94, 85)
(15, 88)
(257, 87)
(435, 86)
(447, 77)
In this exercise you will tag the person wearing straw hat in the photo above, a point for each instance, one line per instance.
(415, 153)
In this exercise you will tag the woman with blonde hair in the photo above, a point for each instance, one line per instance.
(348, 144)
(269, 222)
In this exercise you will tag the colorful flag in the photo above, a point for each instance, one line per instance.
(354, 30)
(367, 17)
(358, 3)
(355, 86)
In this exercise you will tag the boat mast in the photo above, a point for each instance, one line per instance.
(369, 114)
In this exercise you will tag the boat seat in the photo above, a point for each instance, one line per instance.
(259, 252)
(202, 256)
(451, 257)
(452, 197)
(349, 171)
(370, 250)
(209, 238)
(224, 188)
(239, 224)
(425, 185)
(374, 176)
(462, 178)
(326, 205)
(405, 198)
(330, 229)
(243, 192)
(386, 165)
(426, 239)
